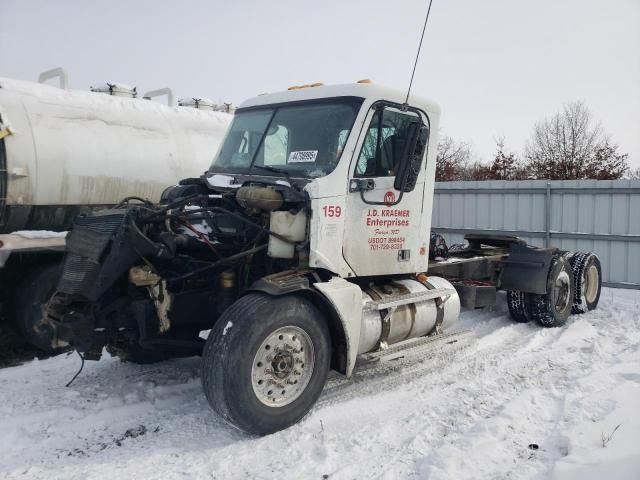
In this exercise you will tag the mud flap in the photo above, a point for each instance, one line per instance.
(526, 269)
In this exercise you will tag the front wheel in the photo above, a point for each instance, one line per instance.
(266, 362)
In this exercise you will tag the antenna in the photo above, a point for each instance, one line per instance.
(426, 19)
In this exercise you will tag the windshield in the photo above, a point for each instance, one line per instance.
(304, 139)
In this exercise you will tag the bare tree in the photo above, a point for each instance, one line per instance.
(570, 146)
(505, 165)
(633, 174)
(477, 171)
(606, 163)
(452, 160)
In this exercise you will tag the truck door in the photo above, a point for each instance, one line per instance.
(382, 233)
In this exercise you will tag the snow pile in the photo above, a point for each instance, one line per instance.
(517, 402)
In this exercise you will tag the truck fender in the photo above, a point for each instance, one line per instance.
(340, 300)
(526, 269)
(346, 301)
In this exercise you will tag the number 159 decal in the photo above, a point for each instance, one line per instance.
(332, 210)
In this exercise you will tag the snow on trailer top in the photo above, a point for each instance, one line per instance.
(368, 91)
(89, 100)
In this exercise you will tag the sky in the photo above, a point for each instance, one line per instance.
(494, 66)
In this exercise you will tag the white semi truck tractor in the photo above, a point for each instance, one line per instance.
(304, 248)
(63, 152)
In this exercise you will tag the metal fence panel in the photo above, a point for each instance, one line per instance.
(602, 216)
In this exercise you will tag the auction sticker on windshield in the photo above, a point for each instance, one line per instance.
(303, 156)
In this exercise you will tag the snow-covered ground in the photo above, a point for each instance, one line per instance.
(474, 412)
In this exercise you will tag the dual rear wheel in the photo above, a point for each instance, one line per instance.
(587, 273)
(574, 283)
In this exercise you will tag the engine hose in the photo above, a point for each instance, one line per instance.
(177, 203)
(200, 235)
(127, 199)
(219, 262)
(235, 215)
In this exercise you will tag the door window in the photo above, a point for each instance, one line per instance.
(384, 142)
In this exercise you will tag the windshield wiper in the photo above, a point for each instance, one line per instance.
(272, 169)
(281, 171)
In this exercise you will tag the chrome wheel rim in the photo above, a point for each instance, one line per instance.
(591, 280)
(282, 366)
(562, 290)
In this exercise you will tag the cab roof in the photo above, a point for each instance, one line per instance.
(367, 91)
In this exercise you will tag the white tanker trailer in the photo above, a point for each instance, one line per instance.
(63, 152)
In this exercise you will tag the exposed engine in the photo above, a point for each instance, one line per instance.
(141, 275)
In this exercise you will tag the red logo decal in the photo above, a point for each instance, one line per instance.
(423, 250)
(389, 198)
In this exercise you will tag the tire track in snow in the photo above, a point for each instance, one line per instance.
(374, 376)
(489, 361)
(565, 358)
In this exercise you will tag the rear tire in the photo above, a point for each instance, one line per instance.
(587, 274)
(516, 301)
(35, 290)
(266, 362)
(554, 307)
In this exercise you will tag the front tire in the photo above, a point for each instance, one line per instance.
(266, 361)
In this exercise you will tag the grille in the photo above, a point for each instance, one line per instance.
(106, 221)
(86, 245)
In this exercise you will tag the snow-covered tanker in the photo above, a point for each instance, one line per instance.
(66, 151)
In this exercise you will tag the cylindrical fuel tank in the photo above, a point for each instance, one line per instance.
(408, 321)
(68, 149)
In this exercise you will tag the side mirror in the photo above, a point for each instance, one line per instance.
(411, 159)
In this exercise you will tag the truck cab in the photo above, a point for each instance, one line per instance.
(345, 144)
